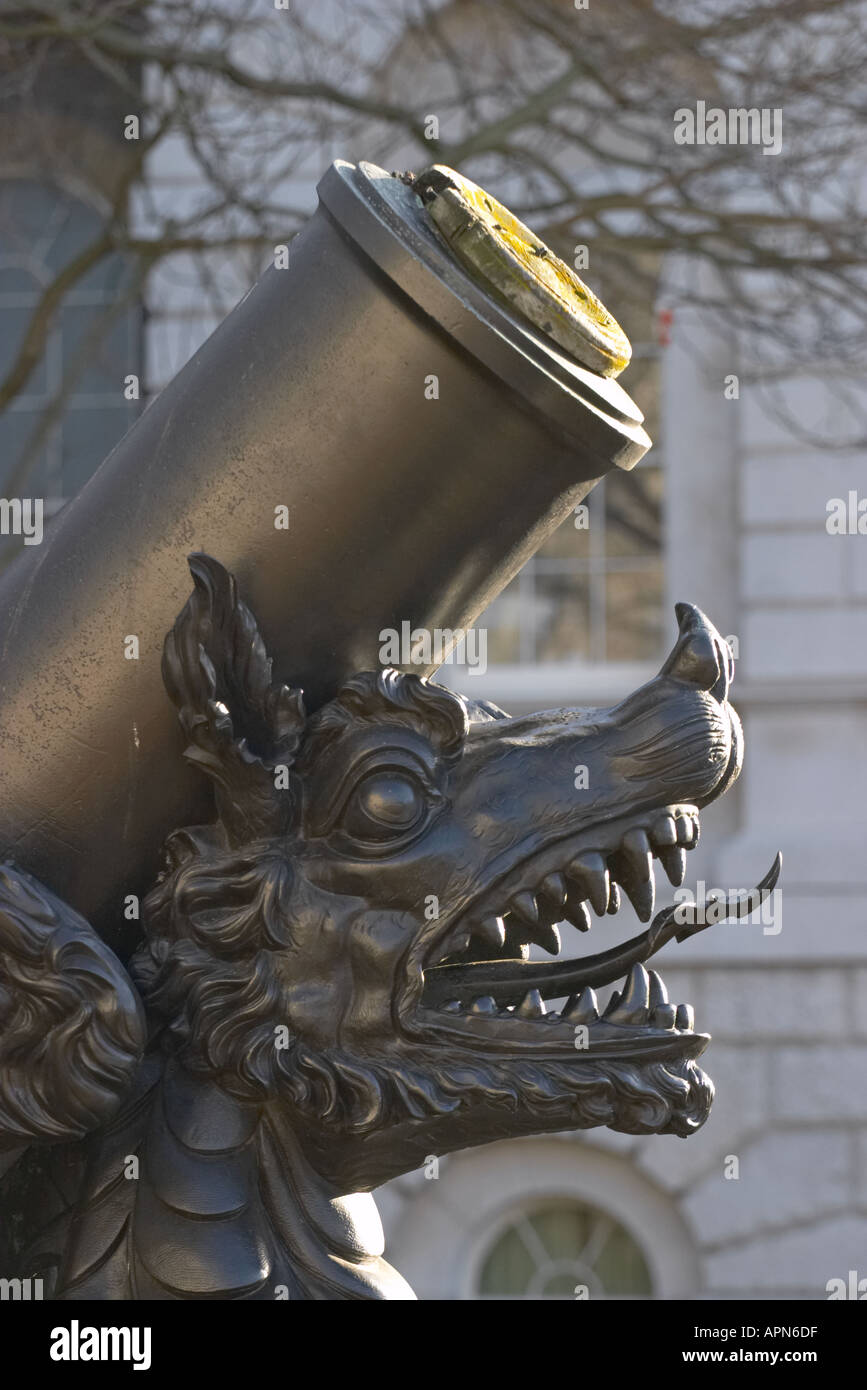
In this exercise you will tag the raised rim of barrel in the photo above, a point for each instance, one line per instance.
(386, 220)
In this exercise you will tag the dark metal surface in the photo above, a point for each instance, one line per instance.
(331, 977)
(312, 396)
(335, 974)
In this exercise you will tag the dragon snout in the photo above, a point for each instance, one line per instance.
(703, 659)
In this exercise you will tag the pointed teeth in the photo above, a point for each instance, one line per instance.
(524, 906)
(674, 863)
(492, 932)
(663, 1016)
(636, 852)
(637, 987)
(584, 1009)
(642, 897)
(579, 915)
(531, 1006)
(658, 993)
(664, 832)
(516, 945)
(614, 898)
(591, 872)
(486, 1005)
(638, 873)
(632, 1007)
(531, 925)
(687, 829)
(612, 1004)
(684, 1018)
(548, 937)
(554, 891)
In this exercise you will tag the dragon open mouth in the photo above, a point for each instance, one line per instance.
(478, 974)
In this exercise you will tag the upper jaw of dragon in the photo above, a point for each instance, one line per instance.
(473, 977)
(479, 984)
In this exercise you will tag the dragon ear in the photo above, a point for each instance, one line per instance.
(243, 729)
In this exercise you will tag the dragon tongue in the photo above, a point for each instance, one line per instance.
(509, 981)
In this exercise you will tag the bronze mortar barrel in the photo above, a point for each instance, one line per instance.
(425, 441)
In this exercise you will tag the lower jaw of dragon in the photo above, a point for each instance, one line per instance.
(481, 989)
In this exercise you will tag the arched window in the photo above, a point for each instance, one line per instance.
(565, 1250)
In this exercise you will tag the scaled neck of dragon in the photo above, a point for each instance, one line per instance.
(221, 1204)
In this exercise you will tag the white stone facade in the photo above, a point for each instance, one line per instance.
(746, 540)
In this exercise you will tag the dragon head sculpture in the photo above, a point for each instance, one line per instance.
(337, 974)
(351, 940)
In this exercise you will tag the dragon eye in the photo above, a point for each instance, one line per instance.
(384, 804)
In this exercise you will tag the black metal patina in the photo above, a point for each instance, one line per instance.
(331, 980)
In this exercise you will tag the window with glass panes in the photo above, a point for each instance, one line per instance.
(72, 409)
(595, 594)
(565, 1250)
